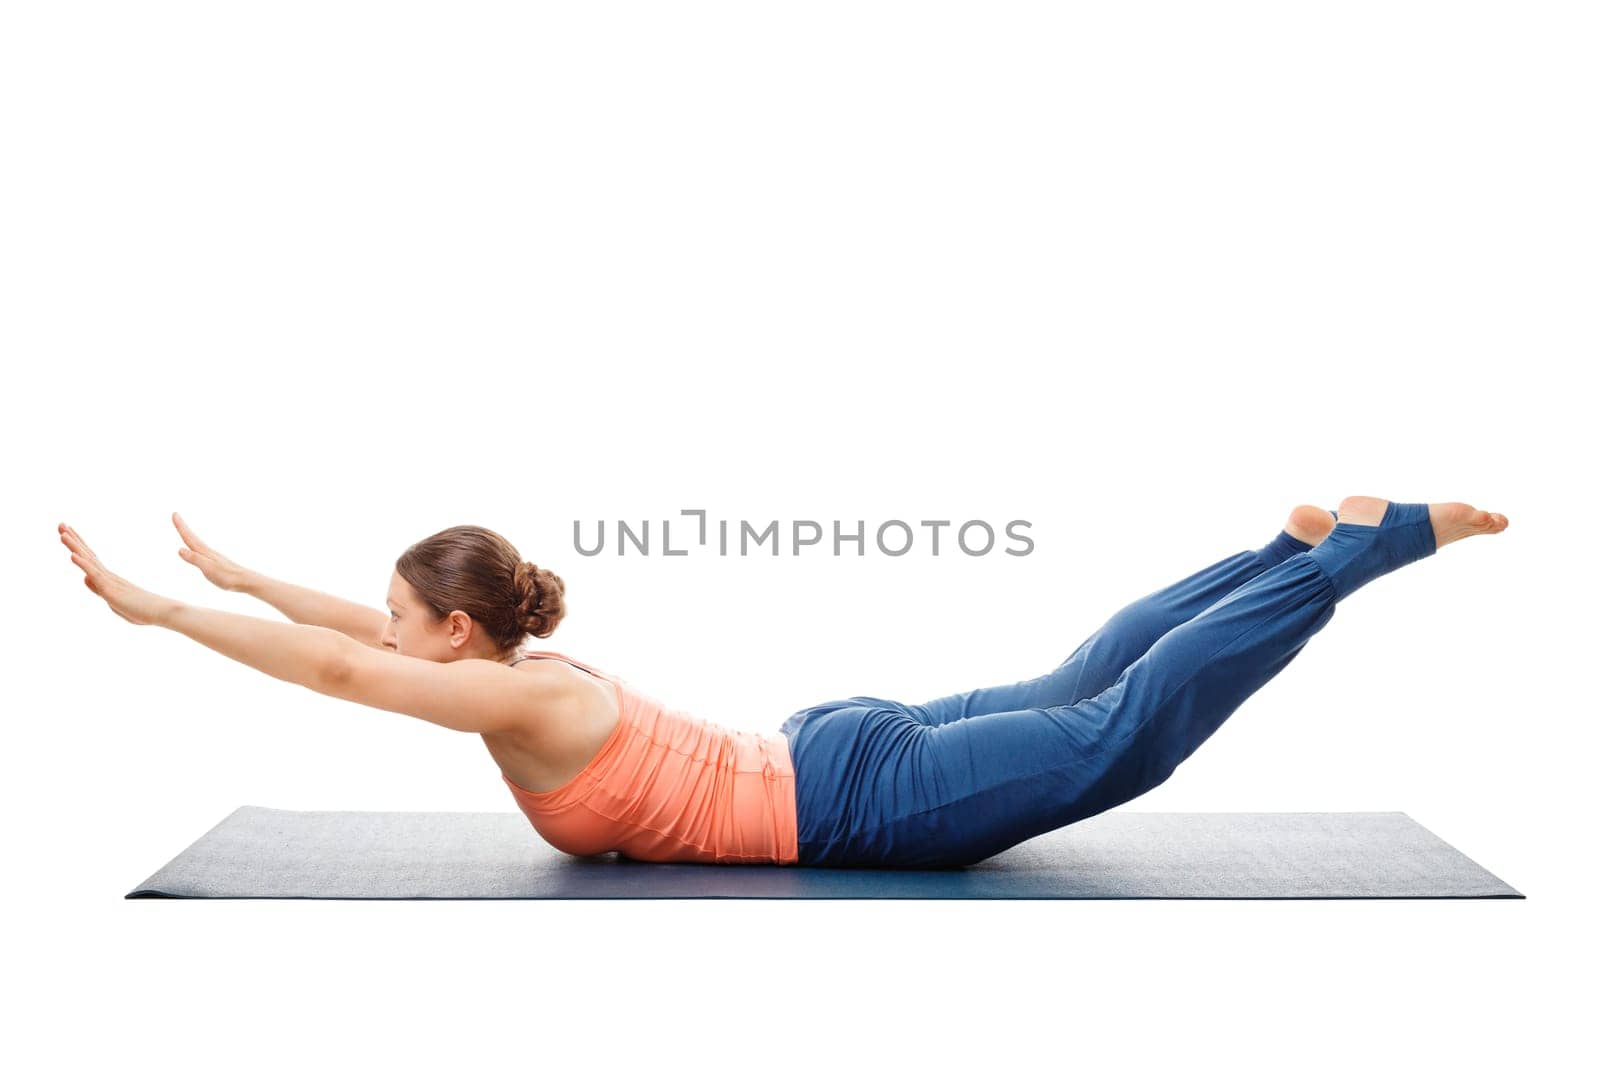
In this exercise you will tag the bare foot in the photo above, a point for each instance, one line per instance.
(1309, 524)
(1451, 522)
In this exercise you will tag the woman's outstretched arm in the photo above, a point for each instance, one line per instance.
(470, 695)
(302, 605)
(305, 655)
(312, 608)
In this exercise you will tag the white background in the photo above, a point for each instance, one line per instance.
(328, 277)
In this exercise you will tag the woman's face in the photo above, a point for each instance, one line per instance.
(403, 632)
(411, 632)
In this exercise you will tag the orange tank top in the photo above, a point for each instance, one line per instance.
(671, 788)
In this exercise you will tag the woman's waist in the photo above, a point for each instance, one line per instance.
(734, 798)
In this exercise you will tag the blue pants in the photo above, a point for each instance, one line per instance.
(948, 783)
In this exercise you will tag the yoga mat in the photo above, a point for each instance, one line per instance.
(436, 855)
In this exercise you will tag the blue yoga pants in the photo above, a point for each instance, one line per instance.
(880, 783)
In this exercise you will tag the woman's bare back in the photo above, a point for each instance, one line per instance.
(557, 741)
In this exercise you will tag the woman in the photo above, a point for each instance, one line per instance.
(866, 782)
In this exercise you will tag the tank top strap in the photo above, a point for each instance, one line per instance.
(548, 654)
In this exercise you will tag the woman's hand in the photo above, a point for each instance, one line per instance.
(219, 570)
(139, 606)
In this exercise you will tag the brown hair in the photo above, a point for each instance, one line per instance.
(471, 569)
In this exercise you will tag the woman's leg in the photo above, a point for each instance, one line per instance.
(1125, 637)
(960, 792)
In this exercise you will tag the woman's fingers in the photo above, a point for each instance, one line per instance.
(92, 572)
(190, 538)
(96, 575)
(219, 570)
(196, 547)
(72, 540)
(82, 545)
(196, 544)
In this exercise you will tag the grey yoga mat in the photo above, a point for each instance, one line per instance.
(439, 855)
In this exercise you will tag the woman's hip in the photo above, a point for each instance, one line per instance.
(876, 787)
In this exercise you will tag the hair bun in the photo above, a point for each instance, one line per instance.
(540, 598)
